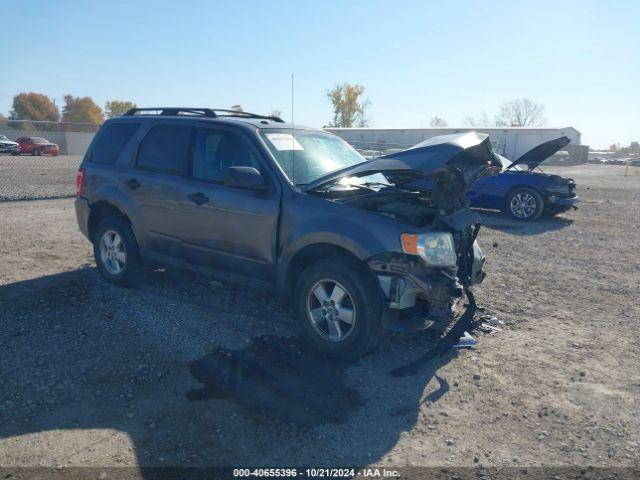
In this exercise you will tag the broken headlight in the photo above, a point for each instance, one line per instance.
(435, 248)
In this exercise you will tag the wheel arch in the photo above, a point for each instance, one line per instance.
(312, 253)
(99, 211)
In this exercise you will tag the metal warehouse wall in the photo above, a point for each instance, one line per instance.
(510, 142)
(70, 143)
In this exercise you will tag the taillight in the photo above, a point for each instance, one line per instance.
(79, 182)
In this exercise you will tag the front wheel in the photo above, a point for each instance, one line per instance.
(116, 252)
(525, 204)
(338, 308)
(36, 152)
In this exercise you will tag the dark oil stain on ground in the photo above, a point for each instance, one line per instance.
(278, 377)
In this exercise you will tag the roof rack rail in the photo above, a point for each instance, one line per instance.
(238, 113)
(205, 112)
(172, 111)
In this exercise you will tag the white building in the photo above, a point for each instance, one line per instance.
(508, 141)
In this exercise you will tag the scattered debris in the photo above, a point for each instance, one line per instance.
(485, 327)
(491, 320)
(465, 341)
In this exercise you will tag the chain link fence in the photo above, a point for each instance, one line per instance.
(40, 159)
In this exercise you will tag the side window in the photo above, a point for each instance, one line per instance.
(111, 141)
(164, 149)
(217, 150)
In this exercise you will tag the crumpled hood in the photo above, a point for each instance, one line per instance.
(469, 153)
(539, 154)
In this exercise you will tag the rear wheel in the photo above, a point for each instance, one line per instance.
(116, 252)
(36, 152)
(338, 308)
(525, 204)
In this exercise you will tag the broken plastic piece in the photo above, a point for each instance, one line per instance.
(485, 327)
(466, 341)
(494, 321)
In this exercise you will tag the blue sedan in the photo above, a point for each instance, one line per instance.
(522, 192)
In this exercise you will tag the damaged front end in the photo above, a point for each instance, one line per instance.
(423, 188)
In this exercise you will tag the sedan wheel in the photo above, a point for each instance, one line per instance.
(112, 252)
(331, 310)
(525, 204)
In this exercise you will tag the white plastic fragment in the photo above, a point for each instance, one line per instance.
(466, 341)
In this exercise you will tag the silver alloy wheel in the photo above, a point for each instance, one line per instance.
(112, 252)
(331, 310)
(523, 205)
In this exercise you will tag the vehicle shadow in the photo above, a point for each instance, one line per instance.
(195, 374)
(546, 223)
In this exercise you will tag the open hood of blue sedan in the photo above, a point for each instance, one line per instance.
(467, 153)
(539, 154)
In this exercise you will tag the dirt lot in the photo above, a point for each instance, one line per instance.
(27, 177)
(92, 374)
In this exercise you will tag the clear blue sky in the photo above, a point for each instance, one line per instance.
(416, 59)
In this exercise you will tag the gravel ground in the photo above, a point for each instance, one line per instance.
(96, 375)
(26, 177)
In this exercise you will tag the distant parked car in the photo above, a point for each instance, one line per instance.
(8, 146)
(38, 146)
(523, 193)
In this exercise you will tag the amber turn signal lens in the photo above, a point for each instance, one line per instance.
(409, 243)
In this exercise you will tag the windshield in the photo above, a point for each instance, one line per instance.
(307, 155)
(505, 162)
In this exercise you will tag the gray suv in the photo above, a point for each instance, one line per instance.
(354, 246)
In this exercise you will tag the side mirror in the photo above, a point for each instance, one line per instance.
(244, 177)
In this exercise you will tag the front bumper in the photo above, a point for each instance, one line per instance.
(10, 149)
(417, 296)
(563, 204)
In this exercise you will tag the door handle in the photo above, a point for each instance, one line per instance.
(132, 183)
(198, 198)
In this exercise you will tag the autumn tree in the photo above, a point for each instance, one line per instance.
(438, 122)
(33, 106)
(349, 106)
(276, 113)
(521, 112)
(81, 110)
(114, 108)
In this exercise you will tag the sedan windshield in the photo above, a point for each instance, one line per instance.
(506, 163)
(307, 155)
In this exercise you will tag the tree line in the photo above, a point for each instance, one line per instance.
(36, 107)
(348, 103)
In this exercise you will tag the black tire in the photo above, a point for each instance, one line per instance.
(129, 275)
(35, 152)
(524, 204)
(362, 292)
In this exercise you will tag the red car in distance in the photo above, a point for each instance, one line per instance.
(38, 146)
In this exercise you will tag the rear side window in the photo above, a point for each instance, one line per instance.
(164, 149)
(111, 141)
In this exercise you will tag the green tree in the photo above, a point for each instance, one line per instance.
(349, 106)
(113, 108)
(34, 106)
(81, 110)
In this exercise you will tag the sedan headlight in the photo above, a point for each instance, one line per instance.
(435, 248)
